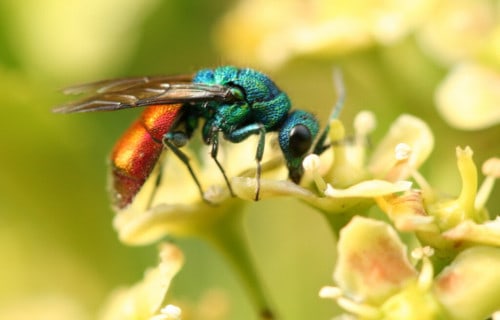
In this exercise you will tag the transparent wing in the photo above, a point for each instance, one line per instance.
(109, 95)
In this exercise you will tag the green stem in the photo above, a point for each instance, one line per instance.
(338, 221)
(228, 236)
(344, 211)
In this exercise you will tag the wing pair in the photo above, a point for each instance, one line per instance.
(116, 94)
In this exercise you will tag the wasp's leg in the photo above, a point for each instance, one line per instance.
(174, 141)
(240, 135)
(214, 140)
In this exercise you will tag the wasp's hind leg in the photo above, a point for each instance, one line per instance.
(174, 141)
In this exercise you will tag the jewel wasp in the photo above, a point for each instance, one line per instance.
(234, 102)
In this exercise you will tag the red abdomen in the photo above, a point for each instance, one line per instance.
(137, 151)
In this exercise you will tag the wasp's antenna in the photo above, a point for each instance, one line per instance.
(338, 83)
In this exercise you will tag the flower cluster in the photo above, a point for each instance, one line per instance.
(451, 273)
(375, 277)
(343, 181)
(462, 36)
(459, 241)
(377, 280)
(145, 300)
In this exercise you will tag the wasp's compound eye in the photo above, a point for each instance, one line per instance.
(300, 140)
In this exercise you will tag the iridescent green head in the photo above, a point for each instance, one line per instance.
(296, 137)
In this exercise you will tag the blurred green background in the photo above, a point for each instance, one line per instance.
(60, 254)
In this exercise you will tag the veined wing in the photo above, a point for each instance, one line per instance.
(110, 95)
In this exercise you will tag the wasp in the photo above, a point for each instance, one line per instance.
(232, 102)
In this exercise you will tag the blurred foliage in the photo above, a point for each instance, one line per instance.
(61, 256)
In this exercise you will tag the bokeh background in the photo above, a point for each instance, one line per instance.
(60, 257)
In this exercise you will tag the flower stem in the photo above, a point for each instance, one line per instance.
(228, 236)
(338, 221)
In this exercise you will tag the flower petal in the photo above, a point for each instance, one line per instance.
(456, 30)
(487, 233)
(411, 131)
(450, 212)
(144, 299)
(469, 97)
(143, 227)
(245, 188)
(469, 288)
(407, 212)
(369, 189)
(413, 303)
(279, 30)
(372, 261)
(171, 204)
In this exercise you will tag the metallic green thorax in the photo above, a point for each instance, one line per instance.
(263, 108)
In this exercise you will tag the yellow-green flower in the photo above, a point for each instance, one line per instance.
(276, 31)
(77, 39)
(461, 35)
(449, 224)
(377, 280)
(458, 30)
(469, 97)
(171, 205)
(342, 181)
(475, 225)
(44, 306)
(145, 300)
(465, 36)
(174, 206)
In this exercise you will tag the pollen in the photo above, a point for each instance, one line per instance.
(402, 151)
(421, 252)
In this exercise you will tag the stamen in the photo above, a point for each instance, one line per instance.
(311, 163)
(421, 252)
(169, 312)
(496, 315)
(427, 272)
(402, 151)
(424, 185)
(491, 169)
(364, 311)
(216, 194)
(364, 123)
(402, 155)
(401, 167)
(417, 253)
(468, 175)
(337, 130)
(329, 292)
